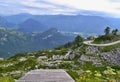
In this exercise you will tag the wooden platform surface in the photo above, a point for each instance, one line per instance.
(47, 75)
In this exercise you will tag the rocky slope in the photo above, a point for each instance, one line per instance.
(97, 57)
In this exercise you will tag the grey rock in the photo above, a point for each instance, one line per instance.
(92, 50)
(70, 55)
(112, 57)
(94, 60)
(56, 57)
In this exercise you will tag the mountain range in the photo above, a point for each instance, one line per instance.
(69, 23)
(27, 32)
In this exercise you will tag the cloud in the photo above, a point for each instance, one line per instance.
(106, 6)
(46, 7)
(114, 0)
(110, 7)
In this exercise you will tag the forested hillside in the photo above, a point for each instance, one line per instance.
(12, 41)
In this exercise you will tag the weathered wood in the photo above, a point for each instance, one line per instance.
(53, 75)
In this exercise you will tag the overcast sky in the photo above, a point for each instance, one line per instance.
(100, 7)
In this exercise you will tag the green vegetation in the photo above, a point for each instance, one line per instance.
(77, 42)
(108, 37)
(107, 30)
(114, 32)
(109, 48)
(108, 75)
(73, 74)
(3, 79)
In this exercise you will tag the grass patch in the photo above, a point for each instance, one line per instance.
(106, 39)
(73, 74)
(109, 48)
(6, 79)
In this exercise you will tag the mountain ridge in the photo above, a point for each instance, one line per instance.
(71, 23)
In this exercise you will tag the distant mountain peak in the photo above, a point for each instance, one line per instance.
(31, 25)
(22, 14)
(31, 20)
(53, 30)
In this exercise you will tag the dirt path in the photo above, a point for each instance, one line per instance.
(107, 44)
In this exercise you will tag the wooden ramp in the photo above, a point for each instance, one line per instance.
(47, 75)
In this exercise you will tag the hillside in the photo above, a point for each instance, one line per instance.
(108, 37)
(12, 41)
(78, 59)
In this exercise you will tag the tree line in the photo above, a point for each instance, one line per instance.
(107, 31)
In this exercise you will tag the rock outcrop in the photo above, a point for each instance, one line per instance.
(98, 58)
(92, 50)
(112, 57)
